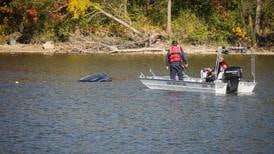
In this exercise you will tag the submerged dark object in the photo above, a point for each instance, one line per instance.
(101, 77)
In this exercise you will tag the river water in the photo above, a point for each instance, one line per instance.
(43, 109)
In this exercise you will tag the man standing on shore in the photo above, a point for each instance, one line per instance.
(176, 61)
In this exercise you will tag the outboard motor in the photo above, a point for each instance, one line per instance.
(232, 76)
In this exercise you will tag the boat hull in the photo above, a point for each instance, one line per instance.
(246, 87)
(192, 85)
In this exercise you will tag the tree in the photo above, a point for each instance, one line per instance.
(169, 31)
(258, 17)
(78, 7)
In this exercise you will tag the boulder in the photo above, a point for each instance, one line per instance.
(48, 45)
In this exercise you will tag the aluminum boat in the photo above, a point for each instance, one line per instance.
(231, 84)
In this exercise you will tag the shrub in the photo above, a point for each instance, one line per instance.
(63, 29)
(187, 26)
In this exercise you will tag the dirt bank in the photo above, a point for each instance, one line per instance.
(66, 49)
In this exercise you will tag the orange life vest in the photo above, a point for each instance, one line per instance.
(223, 65)
(175, 54)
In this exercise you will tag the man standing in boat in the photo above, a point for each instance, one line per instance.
(176, 61)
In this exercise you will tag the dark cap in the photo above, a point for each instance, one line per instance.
(174, 42)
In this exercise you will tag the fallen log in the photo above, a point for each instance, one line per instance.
(136, 50)
(140, 34)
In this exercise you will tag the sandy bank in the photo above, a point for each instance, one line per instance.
(65, 49)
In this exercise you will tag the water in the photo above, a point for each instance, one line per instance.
(43, 109)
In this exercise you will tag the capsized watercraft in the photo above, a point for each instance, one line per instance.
(230, 83)
(100, 77)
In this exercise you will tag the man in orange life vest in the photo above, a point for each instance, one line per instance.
(174, 60)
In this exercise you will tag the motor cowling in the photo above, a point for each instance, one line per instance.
(233, 72)
(232, 76)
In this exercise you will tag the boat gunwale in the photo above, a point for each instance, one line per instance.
(179, 81)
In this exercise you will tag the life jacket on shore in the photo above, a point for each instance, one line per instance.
(175, 54)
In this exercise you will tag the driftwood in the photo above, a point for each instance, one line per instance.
(140, 34)
(111, 47)
(81, 44)
(141, 43)
(150, 41)
(139, 50)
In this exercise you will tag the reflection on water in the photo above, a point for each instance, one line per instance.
(48, 111)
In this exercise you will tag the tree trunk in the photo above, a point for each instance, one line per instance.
(128, 20)
(169, 31)
(251, 28)
(250, 22)
(258, 17)
(125, 6)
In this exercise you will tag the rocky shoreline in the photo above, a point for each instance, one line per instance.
(66, 49)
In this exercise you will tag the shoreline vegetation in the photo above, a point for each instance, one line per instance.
(66, 48)
(134, 27)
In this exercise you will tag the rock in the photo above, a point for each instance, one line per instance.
(48, 45)
(11, 41)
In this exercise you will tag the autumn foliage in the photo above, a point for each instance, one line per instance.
(199, 20)
(78, 7)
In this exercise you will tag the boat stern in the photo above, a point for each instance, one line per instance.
(220, 87)
(246, 87)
